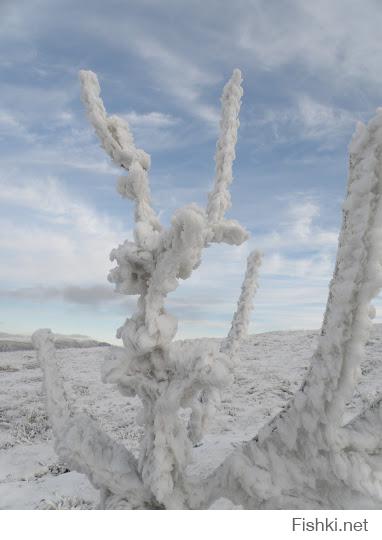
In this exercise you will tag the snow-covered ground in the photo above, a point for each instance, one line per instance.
(270, 369)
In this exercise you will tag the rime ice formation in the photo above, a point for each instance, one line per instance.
(219, 200)
(165, 378)
(305, 453)
(241, 318)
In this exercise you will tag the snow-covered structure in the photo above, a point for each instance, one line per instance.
(304, 457)
(166, 378)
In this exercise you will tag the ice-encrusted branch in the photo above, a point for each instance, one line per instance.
(203, 406)
(80, 442)
(357, 277)
(219, 200)
(113, 132)
(118, 142)
(241, 318)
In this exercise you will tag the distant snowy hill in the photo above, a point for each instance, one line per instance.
(17, 342)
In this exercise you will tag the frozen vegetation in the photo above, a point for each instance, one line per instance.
(310, 452)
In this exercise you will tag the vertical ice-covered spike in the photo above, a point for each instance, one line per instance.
(241, 318)
(357, 277)
(219, 199)
(57, 401)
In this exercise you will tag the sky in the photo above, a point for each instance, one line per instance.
(311, 71)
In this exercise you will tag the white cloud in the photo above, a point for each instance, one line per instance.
(66, 145)
(8, 120)
(296, 230)
(337, 38)
(151, 119)
(155, 130)
(179, 76)
(319, 120)
(298, 263)
(10, 125)
(65, 242)
(172, 71)
(36, 102)
(301, 217)
(306, 119)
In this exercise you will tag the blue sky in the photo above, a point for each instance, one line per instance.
(311, 71)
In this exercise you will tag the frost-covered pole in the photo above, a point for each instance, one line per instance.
(151, 267)
(204, 404)
(241, 318)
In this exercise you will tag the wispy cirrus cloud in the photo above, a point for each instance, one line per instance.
(12, 127)
(155, 130)
(320, 36)
(304, 119)
(182, 78)
(66, 241)
(151, 119)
